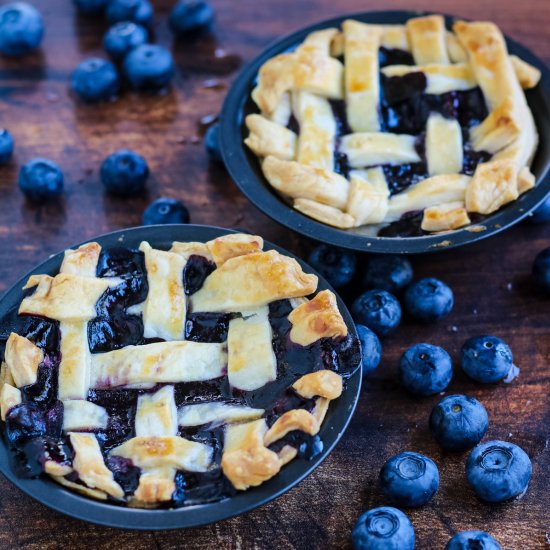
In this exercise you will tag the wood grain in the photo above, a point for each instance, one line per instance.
(493, 289)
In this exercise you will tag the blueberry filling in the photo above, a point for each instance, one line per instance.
(394, 56)
(195, 272)
(34, 429)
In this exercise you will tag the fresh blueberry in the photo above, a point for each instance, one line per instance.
(472, 540)
(409, 479)
(425, 369)
(123, 37)
(541, 213)
(378, 310)
(498, 471)
(212, 143)
(41, 179)
(458, 422)
(391, 273)
(149, 67)
(124, 173)
(336, 265)
(191, 16)
(541, 270)
(164, 211)
(95, 80)
(91, 7)
(371, 348)
(138, 11)
(21, 29)
(383, 528)
(488, 359)
(429, 300)
(6, 146)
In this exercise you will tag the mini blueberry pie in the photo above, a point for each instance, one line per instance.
(408, 129)
(165, 378)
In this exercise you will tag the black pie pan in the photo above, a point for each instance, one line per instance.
(67, 502)
(244, 166)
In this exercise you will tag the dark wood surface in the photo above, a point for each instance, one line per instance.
(493, 289)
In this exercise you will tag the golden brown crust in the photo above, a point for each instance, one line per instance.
(368, 196)
(155, 488)
(316, 319)
(230, 246)
(499, 129)
(444, 147)
(445, 217)
(56, 469)
(528, 75)
(153, 452)
(22, 359)
(309, 68)
(86, 491)
(88, 463)
(322, 383)
(268, 138)
(186, 250)
(9, 398)
(82, 261)
(296, 419)
(494, 184)
(251, 281)
(164, 308)
(65, 297)
(306, 182)
(362, 75)
(246, 461)
(427, 36)
(526, 180)
(324, 213)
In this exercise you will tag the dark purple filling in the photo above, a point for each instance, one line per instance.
(407, 226)
(308, 446)
(394, 56)
(207, 327)
(124, 472)
(195, 272)
(293, 124)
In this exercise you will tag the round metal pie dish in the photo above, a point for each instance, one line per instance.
(62, 500)
(244, 166)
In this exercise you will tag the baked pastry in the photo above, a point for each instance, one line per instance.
(409, 129)
(155, 378)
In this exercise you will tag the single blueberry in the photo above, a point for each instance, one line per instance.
(138, 11)
(488, 359)
(542, 213)
(429, 300)
(371, 348)
(21, 29)
(40, 180)
(378, 310)
(123, 37)
(191, 16)
(95, 80)
(212, 143)
(124, 173)
(498, 471)
(164, 211)
(541, 270)
(336, 265)
(383, 528)
(149, 67)
(6, 146)
(458, 422)
(391, 273)
(425, 369)
(472, 540)
(91, 7)
(409, 479)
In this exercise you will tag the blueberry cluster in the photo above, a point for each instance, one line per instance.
(497, 470)
(144, 66)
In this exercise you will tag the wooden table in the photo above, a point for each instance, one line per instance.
(491, 280)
